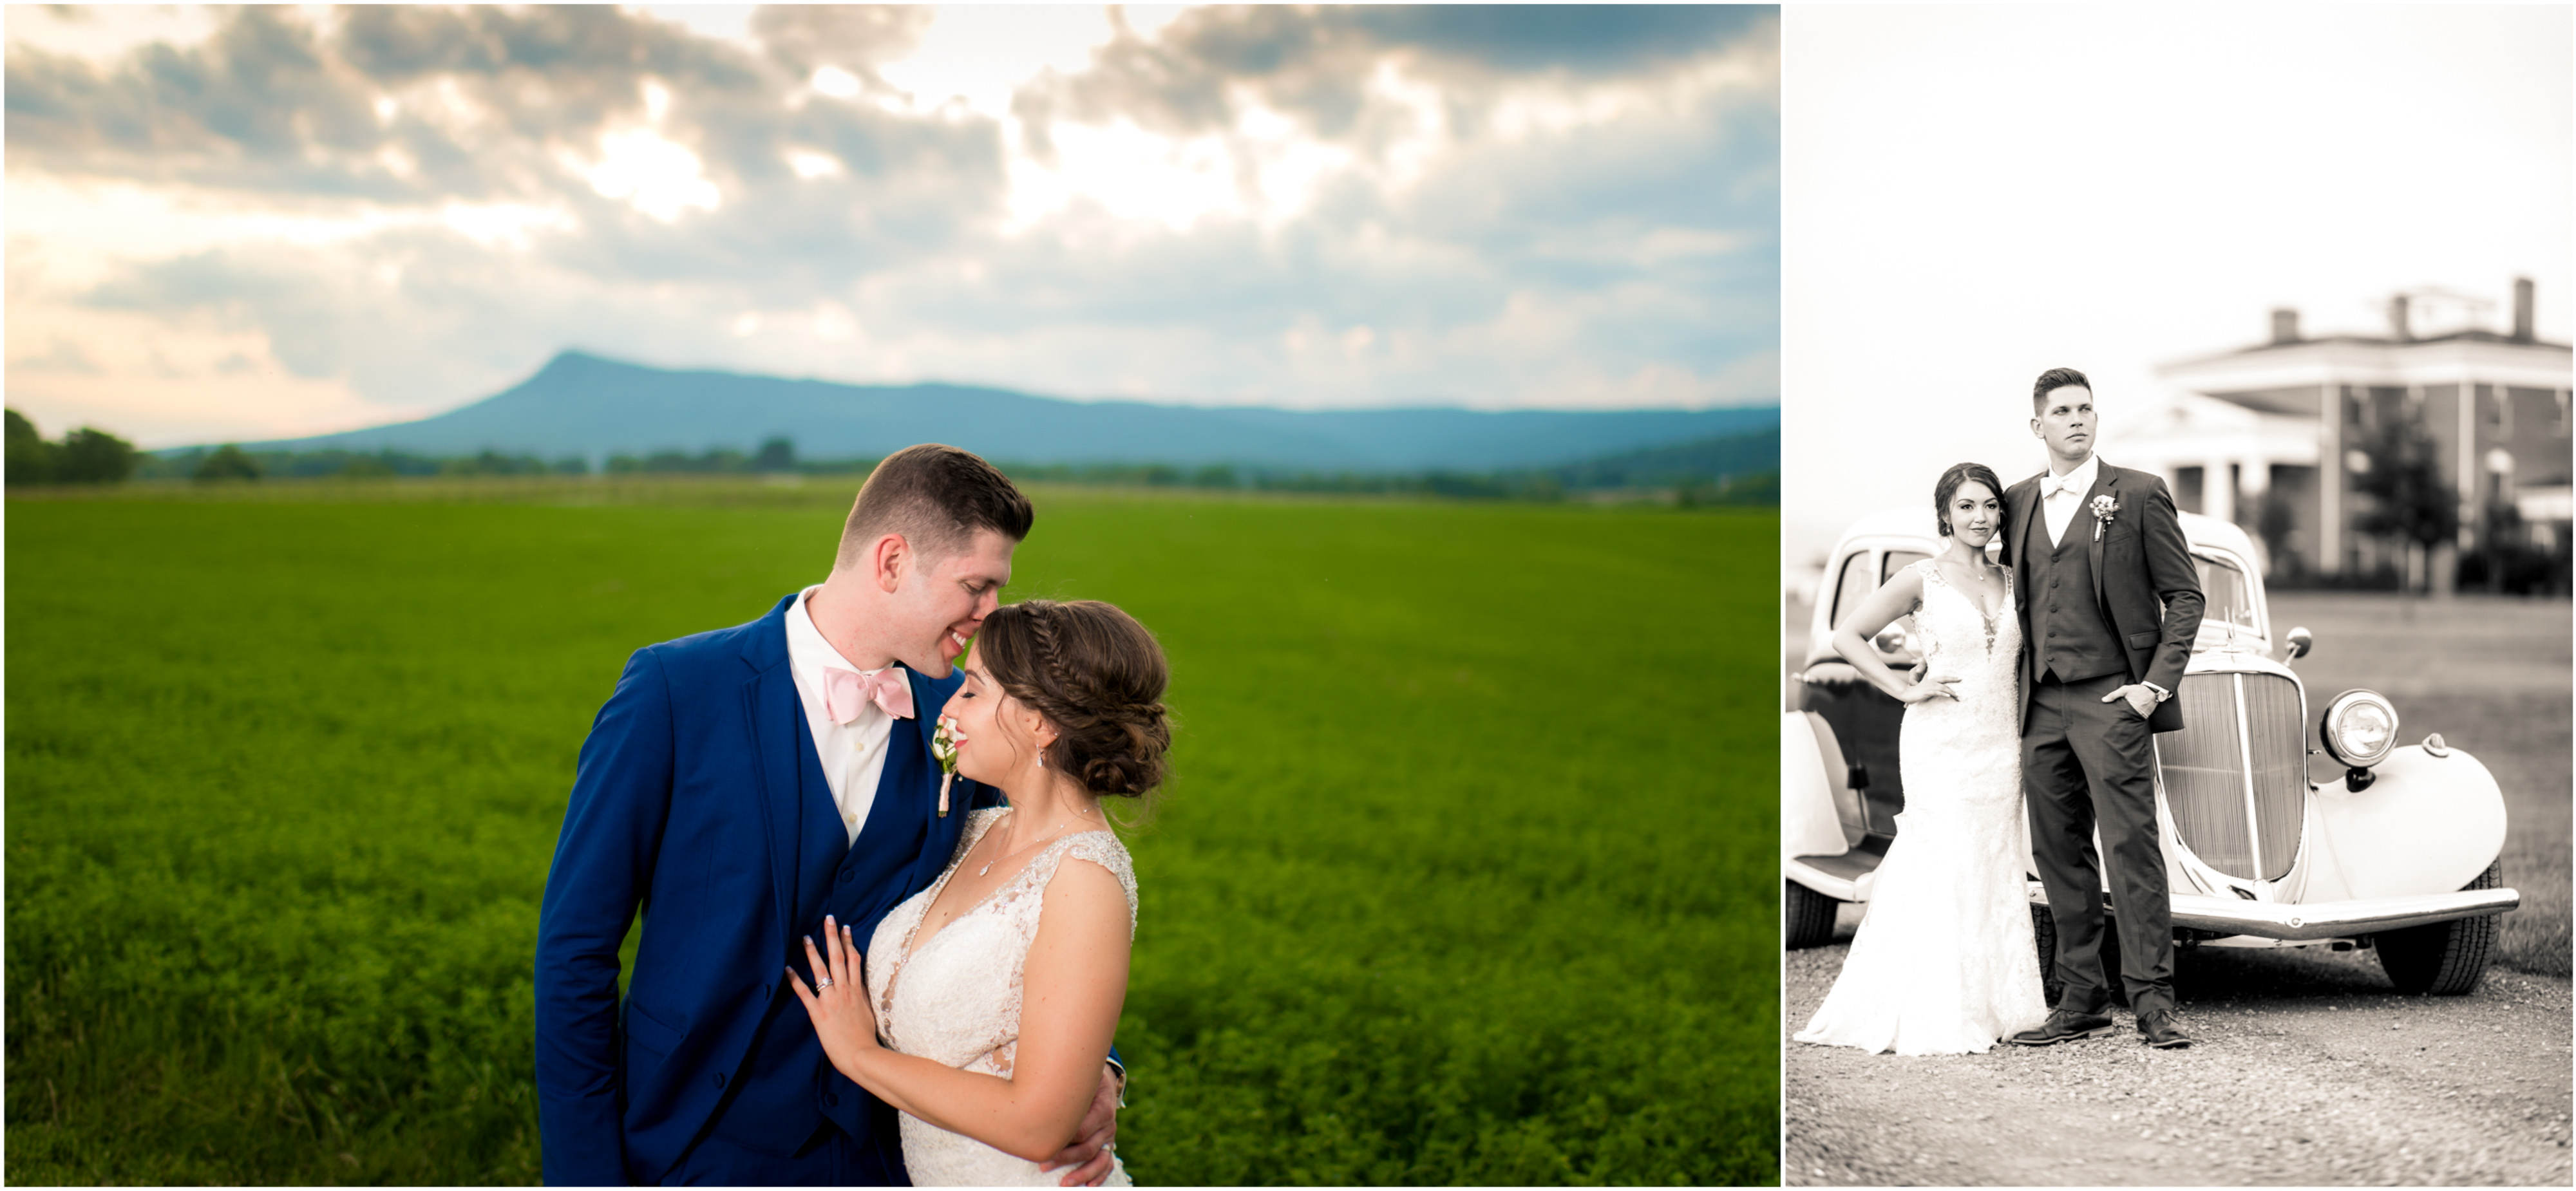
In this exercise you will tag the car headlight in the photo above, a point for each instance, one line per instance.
(2359, 729)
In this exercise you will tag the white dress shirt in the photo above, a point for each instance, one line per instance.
(2060, 507)
(853, 754)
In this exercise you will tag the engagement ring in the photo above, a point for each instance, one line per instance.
(822, 982)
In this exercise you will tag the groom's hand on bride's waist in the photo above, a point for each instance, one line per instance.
(1095, 1139)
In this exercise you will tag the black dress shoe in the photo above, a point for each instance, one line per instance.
(2161, 1030)
(2064, 1025)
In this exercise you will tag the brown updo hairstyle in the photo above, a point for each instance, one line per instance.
(1098, 676)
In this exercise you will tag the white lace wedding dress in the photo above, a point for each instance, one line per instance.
(1944, 962)
(957, 1000)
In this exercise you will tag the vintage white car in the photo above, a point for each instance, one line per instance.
(2375, 845)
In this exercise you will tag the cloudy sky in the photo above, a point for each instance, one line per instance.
(246, 223)
(1974, 195)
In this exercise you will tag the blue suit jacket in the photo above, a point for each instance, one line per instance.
(700, 800)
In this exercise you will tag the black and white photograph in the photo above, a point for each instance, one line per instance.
(2175, 506)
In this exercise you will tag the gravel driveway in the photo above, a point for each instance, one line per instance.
(2309, 1071)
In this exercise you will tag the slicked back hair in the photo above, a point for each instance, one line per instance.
(937, 497)
(2050, 382)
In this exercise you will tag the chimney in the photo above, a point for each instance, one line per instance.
(2397, 320)
(2522, 327)
(2285, 325)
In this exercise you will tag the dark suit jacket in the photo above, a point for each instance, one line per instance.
(698, 799)
(2143, 577)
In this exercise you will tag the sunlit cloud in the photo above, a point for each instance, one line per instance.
(376, 212)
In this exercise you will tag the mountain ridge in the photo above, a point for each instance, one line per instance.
(594, 406)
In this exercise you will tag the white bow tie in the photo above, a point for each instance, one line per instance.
(2056, 484)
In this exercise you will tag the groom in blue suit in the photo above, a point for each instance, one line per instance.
(737, 787)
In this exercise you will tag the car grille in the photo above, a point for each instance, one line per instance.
(2224, 807)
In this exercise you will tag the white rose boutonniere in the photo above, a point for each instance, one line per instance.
(944, 747)
(2103, 508)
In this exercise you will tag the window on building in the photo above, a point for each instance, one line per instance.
(2188, 482)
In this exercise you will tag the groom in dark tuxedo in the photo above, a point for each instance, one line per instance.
(2109, 603)
(739, 786)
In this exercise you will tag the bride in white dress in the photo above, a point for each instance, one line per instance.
(988, 1000)
(1944, 962)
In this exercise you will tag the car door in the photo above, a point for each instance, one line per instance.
(1864, 718)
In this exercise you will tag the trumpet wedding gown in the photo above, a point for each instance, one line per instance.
(1944, 962)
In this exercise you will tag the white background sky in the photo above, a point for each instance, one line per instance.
(1974, 195)
(260, 222)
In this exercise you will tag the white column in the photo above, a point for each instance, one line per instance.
(2330, 483)
(2467, 483)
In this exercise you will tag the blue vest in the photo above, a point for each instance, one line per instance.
(787, 1088)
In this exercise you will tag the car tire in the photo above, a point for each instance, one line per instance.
(2111, 959)
(2043, 930)
(2446, 959)
(1806, 916)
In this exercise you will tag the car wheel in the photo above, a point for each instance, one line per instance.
(2446, 958)
(2043, 930)
(2111, 959)
(1806, 916)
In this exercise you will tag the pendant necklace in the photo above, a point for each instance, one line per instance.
(988, 865)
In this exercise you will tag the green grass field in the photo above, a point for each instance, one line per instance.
(1466, 876)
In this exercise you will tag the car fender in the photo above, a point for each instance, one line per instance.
(1811, 773)
(2425, 824)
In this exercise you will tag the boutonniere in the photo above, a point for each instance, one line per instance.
(2103, 507)
(944, 747)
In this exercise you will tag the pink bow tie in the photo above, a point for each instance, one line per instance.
(846, 693)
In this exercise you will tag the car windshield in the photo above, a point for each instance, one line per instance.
(2226, 597)
(1856, 580)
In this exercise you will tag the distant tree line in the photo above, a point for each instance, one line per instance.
(84, 456)
(229, 462)
(1731, 470)
(1735, 470)
(1544, 485)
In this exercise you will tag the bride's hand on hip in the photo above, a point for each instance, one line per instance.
(1935, 687)
(842, 1018)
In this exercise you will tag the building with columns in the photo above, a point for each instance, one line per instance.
(2270, 436)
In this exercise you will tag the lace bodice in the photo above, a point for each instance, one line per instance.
(1956, 634)
(955, 999)
(1965, 752)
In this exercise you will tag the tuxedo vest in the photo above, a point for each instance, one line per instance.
(2069, 633)
(784, 1092)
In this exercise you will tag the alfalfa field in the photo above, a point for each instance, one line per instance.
(1466, 876)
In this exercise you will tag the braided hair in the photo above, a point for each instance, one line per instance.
(1095, 674)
